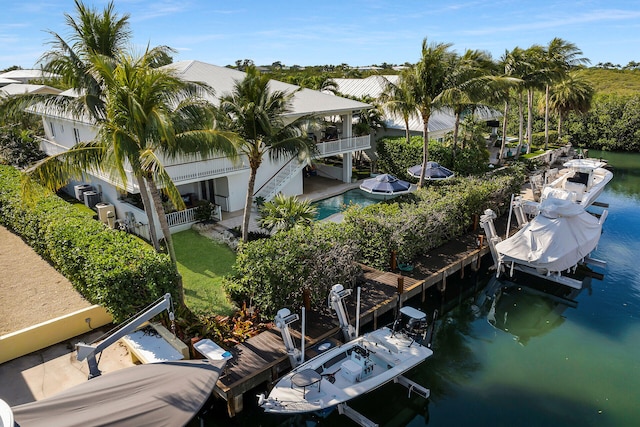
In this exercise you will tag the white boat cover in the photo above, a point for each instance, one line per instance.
(155, 394)
(555, 240)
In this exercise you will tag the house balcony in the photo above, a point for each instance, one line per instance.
(343, 145)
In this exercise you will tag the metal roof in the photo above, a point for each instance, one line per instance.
(305, 101)
(442, 120)
(21, 89)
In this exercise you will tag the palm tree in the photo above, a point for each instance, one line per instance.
(560, 56)
(286, 212)
(573, 93)
(428, 81)
(534, 79)
(149, 116)
(398, 99)
(466, 86)
(255, 113)
(92, 33)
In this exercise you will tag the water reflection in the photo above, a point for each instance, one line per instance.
(526, 312)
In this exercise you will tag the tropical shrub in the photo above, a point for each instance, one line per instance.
(431, 216)
(612, 124)
(108, 267)
(273, 273)
(395, 156)
(18, 147)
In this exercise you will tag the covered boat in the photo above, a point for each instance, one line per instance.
(353, 369)
(155, 394)
(555, 240)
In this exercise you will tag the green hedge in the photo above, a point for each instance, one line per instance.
(395, 156)
(272, 273)
(108, 267)
(538, 138)
(426, 219)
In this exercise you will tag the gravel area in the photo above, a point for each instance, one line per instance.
(31, 291)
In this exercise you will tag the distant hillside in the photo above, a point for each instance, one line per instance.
(620, 82)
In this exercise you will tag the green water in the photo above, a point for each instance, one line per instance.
(556, 365)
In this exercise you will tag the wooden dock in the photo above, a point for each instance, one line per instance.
(263, 358)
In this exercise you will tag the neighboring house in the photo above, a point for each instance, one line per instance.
(26, 76)
(5, 81)
(441, 121)
(218, 179)
(23, 88)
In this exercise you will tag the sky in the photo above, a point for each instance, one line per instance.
(353, 32)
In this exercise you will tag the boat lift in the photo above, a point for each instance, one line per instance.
(338, 293)
(89, 351)
(492, 238)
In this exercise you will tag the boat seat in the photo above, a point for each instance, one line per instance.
(577, 187)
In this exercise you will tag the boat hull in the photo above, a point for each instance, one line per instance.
(346, 372)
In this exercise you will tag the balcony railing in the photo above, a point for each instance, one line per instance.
(344, 145)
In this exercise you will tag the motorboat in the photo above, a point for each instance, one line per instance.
(386, 186)
(353, 369)
(561, 236)
(582, 181)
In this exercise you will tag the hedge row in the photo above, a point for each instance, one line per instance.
(272, 273)
(108, 267)
(427, 218)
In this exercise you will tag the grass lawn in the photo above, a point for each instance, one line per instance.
(202, 264)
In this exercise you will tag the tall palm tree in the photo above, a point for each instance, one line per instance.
(92, 33)
(466, 86)
(573, 93)
(428, 80)
(149, 116)
(398, 99)
(255, 113)
(534, 79)
(560, 57)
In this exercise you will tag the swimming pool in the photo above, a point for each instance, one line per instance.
(338, 203)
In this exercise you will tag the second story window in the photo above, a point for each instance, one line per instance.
(76, 135)
(53, 129)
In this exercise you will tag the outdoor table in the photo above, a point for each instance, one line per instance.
(306, 378)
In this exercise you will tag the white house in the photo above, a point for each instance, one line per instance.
(441, 122)
(217, 179)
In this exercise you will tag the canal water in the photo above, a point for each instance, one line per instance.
(570, 361)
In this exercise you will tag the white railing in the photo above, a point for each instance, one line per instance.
(188, 216)
(293, 166)
(344, 145)
(194, 170)
(280, 179)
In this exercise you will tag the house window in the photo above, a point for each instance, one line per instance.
(76, 135)
(53, 129)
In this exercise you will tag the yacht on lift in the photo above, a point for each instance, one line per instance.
(342, 373)
(582, 181)
(553, 243)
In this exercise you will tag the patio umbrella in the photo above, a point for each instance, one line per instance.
(434, 171)
(385, 184)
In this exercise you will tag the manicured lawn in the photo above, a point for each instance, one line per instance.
(202, 264)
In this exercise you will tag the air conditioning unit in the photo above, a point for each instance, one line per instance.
(80, 189)
(91, 199)
(103, 211)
